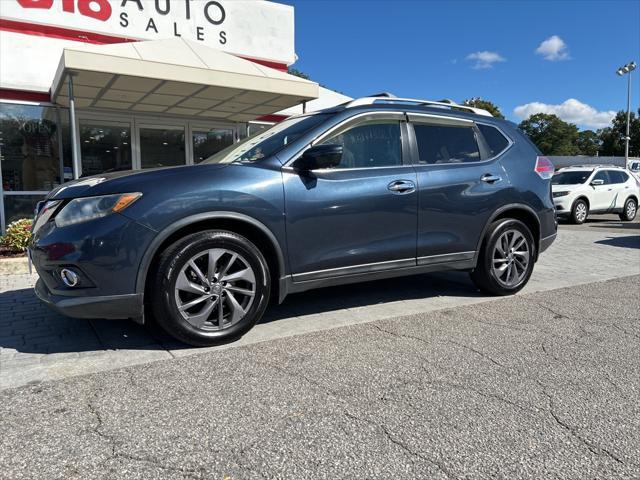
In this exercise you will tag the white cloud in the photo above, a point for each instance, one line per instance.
(484, 59)
(553, 49)
(571, 110)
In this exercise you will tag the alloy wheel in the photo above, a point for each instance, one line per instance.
(631, 209)
(215, 289)
(581, 212)
(510, 259)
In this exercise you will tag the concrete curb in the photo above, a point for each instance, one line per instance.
(14, 266)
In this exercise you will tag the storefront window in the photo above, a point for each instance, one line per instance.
(30, 147)
(208, 142)
(162, 146)
(104, 147)
(20, 206)
(253, 128)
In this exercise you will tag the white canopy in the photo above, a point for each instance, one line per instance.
(176, 77)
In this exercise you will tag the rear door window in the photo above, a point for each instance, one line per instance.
(439, 144)
(617, 176)
(496, 141)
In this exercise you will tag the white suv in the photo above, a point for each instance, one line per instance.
(582, 190)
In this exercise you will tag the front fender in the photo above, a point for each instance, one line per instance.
(162, 236)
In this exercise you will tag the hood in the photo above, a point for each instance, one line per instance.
(565, 188)
(123, 182)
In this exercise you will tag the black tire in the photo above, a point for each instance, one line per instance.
(576, 213)
(175, 258)
(484, 277)
(629, 211)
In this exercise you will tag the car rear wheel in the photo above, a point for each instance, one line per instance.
(579, 212)
(210, 287)
(629, 211)
(506, 258)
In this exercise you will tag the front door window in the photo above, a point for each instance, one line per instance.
(104, 147)
(162, 146)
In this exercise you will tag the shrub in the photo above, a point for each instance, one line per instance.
(18, 235)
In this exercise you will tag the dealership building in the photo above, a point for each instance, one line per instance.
(94, 86)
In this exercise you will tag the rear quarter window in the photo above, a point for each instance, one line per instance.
(495, 140)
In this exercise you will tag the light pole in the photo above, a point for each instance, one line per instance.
(627, 69)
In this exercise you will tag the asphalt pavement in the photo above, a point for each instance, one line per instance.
(37, 344)
(604, 223)
(542, 385)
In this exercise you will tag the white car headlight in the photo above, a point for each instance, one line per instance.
(81, 210)
(560, 194)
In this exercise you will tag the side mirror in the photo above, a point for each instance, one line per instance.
(597, 181)
(320, 156)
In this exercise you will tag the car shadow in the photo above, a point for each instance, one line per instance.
(28, 326)
(618, 225)
(452, 284)
(632, 241)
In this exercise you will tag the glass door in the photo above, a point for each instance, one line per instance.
(207, 141)
(161, 145)
(104, 146)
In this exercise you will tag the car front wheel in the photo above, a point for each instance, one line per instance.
(629, 211)
(210, 287)
(506, 258)
(579, 212)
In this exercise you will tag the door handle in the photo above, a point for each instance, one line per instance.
(490, 178)
(402, 187)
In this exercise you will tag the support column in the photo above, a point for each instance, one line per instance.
(74, 140)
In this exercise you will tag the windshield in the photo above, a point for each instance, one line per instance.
(570, 178)
(267, 143)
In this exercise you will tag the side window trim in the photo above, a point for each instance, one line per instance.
(355, 119)
(483, 146)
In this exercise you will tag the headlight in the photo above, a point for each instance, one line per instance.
(560, 194)
(84, 209)
(43, 213)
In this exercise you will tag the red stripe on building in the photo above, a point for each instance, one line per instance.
(272, 118)
(61, 33)
(24, 95)
(94, 38)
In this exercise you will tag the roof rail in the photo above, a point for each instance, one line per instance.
(390, 99)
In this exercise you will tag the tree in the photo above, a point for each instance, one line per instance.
(588, 143)
(552, 135)
(612, 138)
(487, 105)
(298, 73)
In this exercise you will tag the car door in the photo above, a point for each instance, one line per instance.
(360, 216)
(461, 184)
(602, 196)
(621, 188)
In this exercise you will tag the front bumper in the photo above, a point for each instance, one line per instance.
(104, 253)
(111, 307)
(563, 205)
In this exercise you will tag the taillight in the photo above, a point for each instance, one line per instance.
(544, 168)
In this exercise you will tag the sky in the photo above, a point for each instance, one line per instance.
(526, 56)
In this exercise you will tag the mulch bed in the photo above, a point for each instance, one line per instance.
(8, 253)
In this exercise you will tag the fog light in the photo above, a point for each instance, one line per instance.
(69, 277)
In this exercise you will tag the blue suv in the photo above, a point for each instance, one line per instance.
(376, 188)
